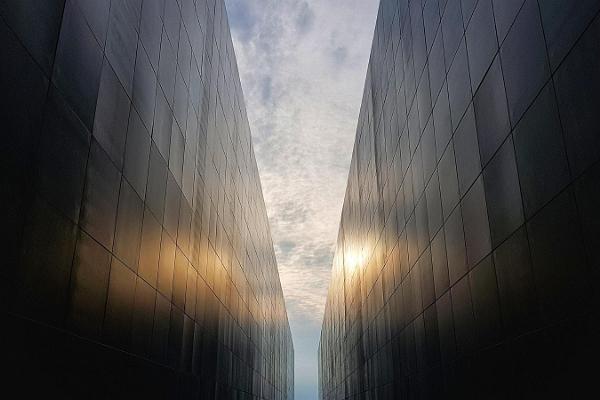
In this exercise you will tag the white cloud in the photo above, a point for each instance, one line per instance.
(303, 65)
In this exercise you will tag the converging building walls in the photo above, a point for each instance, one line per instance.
(466, 263)
(137, 258)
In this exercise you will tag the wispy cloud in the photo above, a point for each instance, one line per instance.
(240, 13)
(303, 65)
(304, 18)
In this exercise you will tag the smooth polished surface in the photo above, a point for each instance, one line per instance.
(138, 261)
(466, 264)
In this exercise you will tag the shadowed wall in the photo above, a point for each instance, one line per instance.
(137, 259)
(467, 263)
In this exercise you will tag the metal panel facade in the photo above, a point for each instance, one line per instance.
(137, 259)
(466, 263)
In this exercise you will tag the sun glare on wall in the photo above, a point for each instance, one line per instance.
(354, 261)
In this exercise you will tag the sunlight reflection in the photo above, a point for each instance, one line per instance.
(354, 261)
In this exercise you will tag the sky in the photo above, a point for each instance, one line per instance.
(302, 66)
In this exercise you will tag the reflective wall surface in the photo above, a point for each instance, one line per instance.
(137, 257)
(467, 258)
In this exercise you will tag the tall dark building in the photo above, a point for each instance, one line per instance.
(467, 262)
(137, 260)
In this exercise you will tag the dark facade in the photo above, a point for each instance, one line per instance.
(467, 258)
(137, 260)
